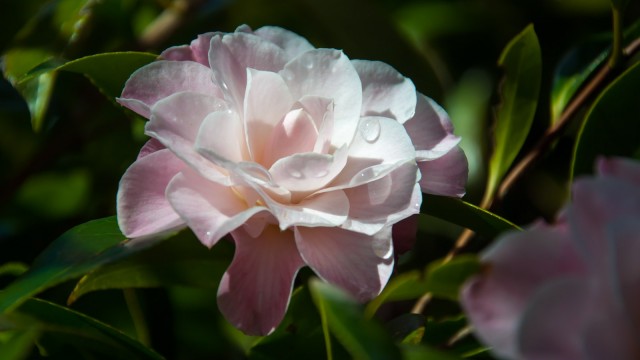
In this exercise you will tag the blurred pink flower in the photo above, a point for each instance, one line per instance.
(304, 156)
(569, 290)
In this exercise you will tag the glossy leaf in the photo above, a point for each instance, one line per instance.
(522, 64)
(422, 352)
(181, 260)
(342, 316)
(573, 70)
(62, 332)
(465, 214)
(442, 279)
(611, 127)
(76, 252)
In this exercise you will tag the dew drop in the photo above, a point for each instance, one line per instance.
(370, 130)
(295, 173)
(309, 65)
(322, 173)
(208, 234)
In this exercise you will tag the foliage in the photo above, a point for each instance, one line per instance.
(89, 292)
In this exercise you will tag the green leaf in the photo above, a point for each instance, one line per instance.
(611, 127)
(181, 260)
(442, 279)
(422, 352)
(574, 69)
(56, 194)
(109, 71)
(465, 214)
(63, 333)
(522, 63)
(342, 316)
(407, 328)
(16, 344)
(73, 254)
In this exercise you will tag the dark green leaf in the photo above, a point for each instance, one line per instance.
(522, 64)
(465, 214)
(342, 316)
(16, 344)
(612, 125)
(422, 352)
(73, 254)
(65, 332)
(407, 328)
(181, 260)
(574, 69)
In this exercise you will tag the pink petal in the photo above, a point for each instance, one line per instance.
(624, 243)
(321, 111)
(267, 101)
(198, 51)
(295, 134)
(160, 79)
(622, 168)
(307, 172)
(431, 130)
(151, 146)
(142, 206)
(254, 292)
(385, 92)
(404, 234)
(446, 175)
(553, 323)
(221, 138)
(358, 263)
(292, 43)
(328, 73)
(378, 201)
(211, 210)
(518, 264)
(175, 122)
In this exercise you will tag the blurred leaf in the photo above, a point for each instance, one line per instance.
(522, 64)
(56, 195)
(422, 352)
(442, 279)
(620, 4)
(573, 70)
(407, 328)
(16, 344)
(181, 260)
(66, 332)
(70, 17)
(465, 214)
(109, 71)
(73, 254)
(13, 268)
(342, 316)
(612, 125)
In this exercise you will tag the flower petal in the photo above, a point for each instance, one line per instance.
(624, 242)
(221, 138)
(175, 122)
(292, 43)
(446, 175)
(517, 266)
(160, 79)
(254, 293)
(358, 263)
(211, 210)
(197, 51)
(142, 206)
(385, 92)
(295, 134)
(328, 73)
(151, 146)
(267, 101)
(431, 130)
(622, 168)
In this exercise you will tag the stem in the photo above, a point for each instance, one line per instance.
(616, 51)
(137, 316)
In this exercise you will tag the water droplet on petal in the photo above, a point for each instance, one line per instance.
(208, 234)
(309, 65)
(295, 173)
(322, 173)
(370, 129)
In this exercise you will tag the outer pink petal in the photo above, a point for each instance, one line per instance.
(385, 92)
(622, 168)
(552, 325)
(266, 102)
(211, 210)
(518, 264)
(160, 79)
(151, 146)
(328, 73)
(404, 234)
(292, 43)
(358, 263)
(198, 51)
(446, 175)
(380, 201)
(431, 130)
(175, 122)
(254, 292)
(142, 206)
(221, 138)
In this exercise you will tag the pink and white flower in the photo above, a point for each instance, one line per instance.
(569, 290)
(304, 156)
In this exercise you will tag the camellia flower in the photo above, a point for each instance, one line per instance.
(304, 156)
(569, 290)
